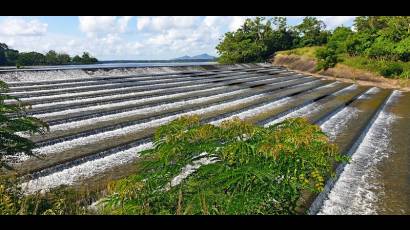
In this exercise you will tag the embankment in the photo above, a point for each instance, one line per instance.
(340, 72)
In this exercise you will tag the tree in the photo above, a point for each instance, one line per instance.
(337, 41)
(3, 59)
(51, 57)
(76, 59)
(255, 41)
(13, 122)
(63, 59)
(11, 56)
(86, 58)
(3, 48)
(312, 32)
(31, 58)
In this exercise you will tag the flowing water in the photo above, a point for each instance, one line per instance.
(102, 118)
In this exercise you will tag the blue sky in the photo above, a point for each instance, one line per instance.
(128, 37)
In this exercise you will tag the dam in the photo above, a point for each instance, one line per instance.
(100, 119)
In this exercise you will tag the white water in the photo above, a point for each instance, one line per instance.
(254, 111)
(85, 170)
(309, 108)
(56, 148)
(357, 190)
(97, 99)
(88, 169)
(191, 168)
(337, 123)
(156, 108)
(92, 93)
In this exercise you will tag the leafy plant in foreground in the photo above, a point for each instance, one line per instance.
(13, 123)
(250, 169)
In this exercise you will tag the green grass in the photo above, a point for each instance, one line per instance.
(309, 52)
(259, 170)
(376, 66)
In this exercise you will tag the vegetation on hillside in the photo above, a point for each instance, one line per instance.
(11, 57)
(380, 44)
(259, 39)
(234, 168)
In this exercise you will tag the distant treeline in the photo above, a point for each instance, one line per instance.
(11, 57)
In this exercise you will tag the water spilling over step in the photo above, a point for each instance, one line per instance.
(99, 123)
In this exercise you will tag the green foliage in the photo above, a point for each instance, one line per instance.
(327, 58)
(31, 58)
(13, 123)
(255, 41)
(374, 65)
(382, 49)
(86, 58)
(402, 49)
(337, 41)
(312, 32)
(391, 69)
(255, 170)
(382, 37)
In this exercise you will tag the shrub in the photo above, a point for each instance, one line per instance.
(252, 170)
(405, 75)
(391, 69)
(403, 49)
(327, 58)
(381, 48)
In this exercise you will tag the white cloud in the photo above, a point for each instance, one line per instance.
(143, 22)
(150, 37)
(94, 25)
(162, 23)
(16, 26)
(237, 21)
(335, 21)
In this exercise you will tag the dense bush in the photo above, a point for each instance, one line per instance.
(402, 49)
(337, 41)
(250, 170)
(391, 69)
(327, 58)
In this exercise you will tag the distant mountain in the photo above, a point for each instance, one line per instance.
(201, 56)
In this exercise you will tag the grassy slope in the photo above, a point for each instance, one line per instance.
(356, 68)
(357, 62)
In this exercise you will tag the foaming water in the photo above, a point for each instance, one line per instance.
(358, 190)
(310, 107)
(336, 124)
(255, 111)
(83, 171)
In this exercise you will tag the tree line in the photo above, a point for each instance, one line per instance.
(11, 57)
(375, 37)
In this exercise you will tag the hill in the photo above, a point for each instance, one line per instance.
(203, 56)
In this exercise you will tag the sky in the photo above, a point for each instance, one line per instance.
(128, 37)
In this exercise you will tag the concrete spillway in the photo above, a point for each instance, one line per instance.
(100, 123)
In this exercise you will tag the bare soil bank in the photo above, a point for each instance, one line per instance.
(340, 72)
